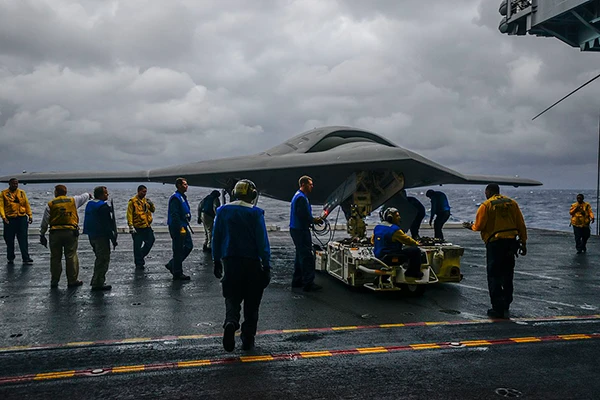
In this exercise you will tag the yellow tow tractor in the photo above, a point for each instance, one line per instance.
(352, 261)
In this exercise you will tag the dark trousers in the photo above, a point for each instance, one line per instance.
(582, 234)
(182, 247)
(416, 224)
(414, 258)
(243, 281)
(101, 247)
(304, 263)
(143, 239)
(439, 222)
(16, 226)
(500, 257)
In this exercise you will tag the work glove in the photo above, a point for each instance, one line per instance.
(430, 221)
(522, 249)
(467, 225)
(266, 277)
(132, 230)
(182, 231)
(199, 220)
(114, 243)
(150, 203)
(218, 269)
(43, 241)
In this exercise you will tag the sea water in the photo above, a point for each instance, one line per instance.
(542, 208)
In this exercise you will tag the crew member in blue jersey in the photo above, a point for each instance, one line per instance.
(206, 216)
(178, 220)
(240, 246)
(301, 220)
(98, 225)
(440, 209)
(416, 224)
(388, 240)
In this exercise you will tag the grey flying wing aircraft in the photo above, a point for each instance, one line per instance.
(328, 154)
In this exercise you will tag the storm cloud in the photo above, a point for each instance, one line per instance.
(135, 84)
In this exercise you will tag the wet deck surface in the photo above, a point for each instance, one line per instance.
(151, 337)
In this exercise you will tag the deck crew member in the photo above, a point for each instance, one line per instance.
(139, 220)
(440, 209)
(388, 240)
(178, 220)
(416, 224)
(500, 221)
(206, 216)
(16, 215)
(581, 217)
(99, 227)
(241, 248)
(62, 218)
(301, 220)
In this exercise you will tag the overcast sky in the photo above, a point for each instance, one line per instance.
(124, 85)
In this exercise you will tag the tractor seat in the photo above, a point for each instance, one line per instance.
(394, 259)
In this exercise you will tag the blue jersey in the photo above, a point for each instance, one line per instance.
(439, 203)
(383, 243)
(301, 212)
(97, 222)
(239, 231)
(179, 214)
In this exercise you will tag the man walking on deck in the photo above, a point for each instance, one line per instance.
(241, 247)
(62, 218)
(98, 225)
(581, 218)
(301, 220)
(139, 219)
(178, 220)
(16, 216)
(207, 210)
(503, 230)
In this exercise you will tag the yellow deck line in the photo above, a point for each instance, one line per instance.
(80, 343)
(368, 350)
(526, 339)
(476, 343)
(391, 325)
(54, 375)
(193, 363)
(129, 368)
(425, 346)
(344, 328)
(574, 337)
(295, 330)
(256, 358)
(309, 354)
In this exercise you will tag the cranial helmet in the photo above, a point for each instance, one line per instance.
(245, 190)
(388, 214)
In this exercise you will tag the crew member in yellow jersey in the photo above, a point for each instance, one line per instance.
(503, 230)
(139, 219)
(62, 218)
(581, 217)
(16, 215)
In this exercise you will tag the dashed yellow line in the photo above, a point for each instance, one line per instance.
(301, 355)
(54, 375)
(530, 339)
(311, 354)
(370, 350)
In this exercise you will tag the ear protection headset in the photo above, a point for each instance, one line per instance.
(245, 190)
(388, 214)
